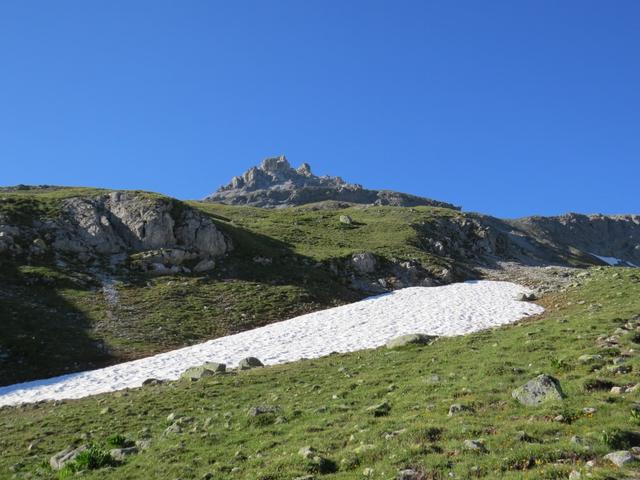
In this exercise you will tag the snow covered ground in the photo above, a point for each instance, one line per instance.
(450, 310)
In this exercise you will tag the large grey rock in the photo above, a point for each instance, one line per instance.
(364, 262)
(541, 389)
(411, 339)
(60, 459)
(620, 458)
(205, 370)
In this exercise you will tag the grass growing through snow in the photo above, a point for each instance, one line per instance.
(324, 404)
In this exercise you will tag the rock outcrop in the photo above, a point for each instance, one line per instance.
(276, 184)
(567, 239)
(162, 235)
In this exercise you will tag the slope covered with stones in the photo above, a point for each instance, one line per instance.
(451, 409)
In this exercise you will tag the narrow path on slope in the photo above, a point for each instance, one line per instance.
(450, 310)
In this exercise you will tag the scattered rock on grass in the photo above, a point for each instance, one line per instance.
(60, 459)
(620, 458)
(119, 454)
(475, 445)
(411, 339)
(205, 370)
(379, 410)
(541, 389)
(457, 408)
(261, 410)
(589, 358)
(409, 474)
(249, 362)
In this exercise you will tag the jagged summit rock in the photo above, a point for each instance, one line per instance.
(275, 183)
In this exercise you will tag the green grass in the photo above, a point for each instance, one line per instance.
(318, 234)
(55, 319)
(324, 403)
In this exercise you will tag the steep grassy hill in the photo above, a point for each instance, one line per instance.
(374, 413)
(61, 316)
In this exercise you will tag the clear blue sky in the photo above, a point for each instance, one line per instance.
(505, 107)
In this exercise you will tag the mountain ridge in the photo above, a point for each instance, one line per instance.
(276, 184)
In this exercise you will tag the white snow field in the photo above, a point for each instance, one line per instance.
(450, 310)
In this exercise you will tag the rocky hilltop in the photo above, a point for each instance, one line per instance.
(162, 235)
(276, 184)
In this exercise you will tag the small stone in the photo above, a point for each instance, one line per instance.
(616, 390)
(619, 369)
(475, 445)
(411, 339)
(409, 474)
(367, 472)
(143, 444)
(589, 358)
(249, 363)
(106, 410)
(119, 454)
(172, 417)
(173, 429)
(307, 452)
(346, 219)
(261, 410)
(589, 410)
(150, 382)
(457, 408)
(523, 436)
(575, 475)
(380, 409)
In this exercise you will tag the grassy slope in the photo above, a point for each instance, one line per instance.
(324, 402)
(56, 320)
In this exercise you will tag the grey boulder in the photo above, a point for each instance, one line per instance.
(205, 370)
(249, 362)
(620, 458)
(411, 339)
(541, 389)
(60, 459)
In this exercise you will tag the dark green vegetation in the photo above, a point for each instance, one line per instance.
(55, 318)
(326, 404)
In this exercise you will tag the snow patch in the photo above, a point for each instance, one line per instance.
(455, 309)
(613, 261)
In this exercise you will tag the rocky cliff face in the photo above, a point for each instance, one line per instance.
(276, 184)
(570, 239)
(164, 233)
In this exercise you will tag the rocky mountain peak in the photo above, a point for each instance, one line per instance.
(275, 183)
